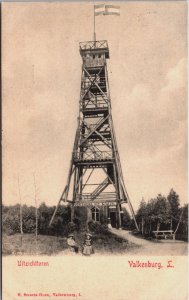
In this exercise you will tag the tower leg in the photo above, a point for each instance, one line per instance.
(118, 217)
(88, 218)
(72, 213)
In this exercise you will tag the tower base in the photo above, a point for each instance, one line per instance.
(104, 214)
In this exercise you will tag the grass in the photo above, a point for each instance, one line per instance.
(45, 245)
(104, 243)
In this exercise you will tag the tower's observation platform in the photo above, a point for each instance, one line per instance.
(94, 54)
(94, 47)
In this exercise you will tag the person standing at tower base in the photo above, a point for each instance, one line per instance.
(87, 247)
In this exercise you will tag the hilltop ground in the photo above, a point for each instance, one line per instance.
(153, 247)
(115, 242)
(52, 245)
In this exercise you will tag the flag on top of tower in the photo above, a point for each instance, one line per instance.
(103, 9)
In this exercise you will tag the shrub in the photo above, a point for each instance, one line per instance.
(10, 223)
(77, 223)
(97, 227)
(70, 228)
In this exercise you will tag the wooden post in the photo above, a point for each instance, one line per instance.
(87, 226)
(179, 221)
(72, 212)
(118, 216)
(74, 193)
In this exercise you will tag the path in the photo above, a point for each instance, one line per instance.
(161, 247)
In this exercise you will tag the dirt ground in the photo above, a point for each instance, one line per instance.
(161, 247)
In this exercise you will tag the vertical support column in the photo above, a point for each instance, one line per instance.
(106, 210)
(103, 213)
(72, 212)
(88, 216)
(118, 217)
(74, 192)
(80, 182)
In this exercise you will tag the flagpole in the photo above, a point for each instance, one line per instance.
(94, 36)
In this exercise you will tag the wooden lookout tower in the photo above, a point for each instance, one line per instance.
(95, 181)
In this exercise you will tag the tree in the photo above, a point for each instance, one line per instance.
(174, 202)
(11, 219)
(126, 219)
(153, 214)
(60, 222)
(162, 211)
(28, 219)
(141, 215)
(150, 216)
(45, 213)
(185, 214)
(182, 224)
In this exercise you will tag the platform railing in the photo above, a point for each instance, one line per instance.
(105, 196)
(88, 45)
(95, 155)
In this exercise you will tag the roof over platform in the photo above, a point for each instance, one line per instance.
(94, 47)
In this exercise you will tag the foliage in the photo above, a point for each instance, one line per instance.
(161, 213)
(97, 227)
(182, 232)
(11, 219)
(126, 220)
(29, 218)
(70, 228)
(174, 202)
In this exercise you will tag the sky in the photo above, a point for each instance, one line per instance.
(41, 74)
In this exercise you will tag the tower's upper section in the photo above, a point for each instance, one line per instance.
(94, 53)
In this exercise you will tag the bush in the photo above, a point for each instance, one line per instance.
(70, 228)
(77, 223)
(11, 222)
(97, 227)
